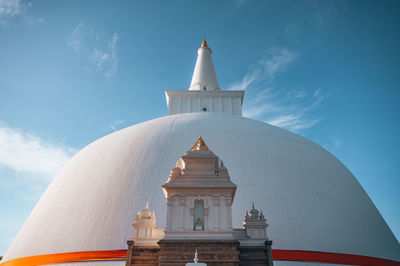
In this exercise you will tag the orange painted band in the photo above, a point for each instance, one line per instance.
(83, 256)
(277, 254)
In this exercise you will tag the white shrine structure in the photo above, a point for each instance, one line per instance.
(145, 231)
(199, 196)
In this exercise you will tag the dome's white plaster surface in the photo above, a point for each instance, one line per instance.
(310, 199)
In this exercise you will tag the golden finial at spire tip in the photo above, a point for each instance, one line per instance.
(204, 43)
(200, 145)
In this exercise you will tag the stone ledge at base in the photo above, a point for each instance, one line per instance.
(211, 252)
(138, 256)
(256, 255)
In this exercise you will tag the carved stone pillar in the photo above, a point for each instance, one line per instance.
(169, 209)
(181, 213)
(216, 213)
(188, 219)
(206, 217)
(228, 203)
(174, 212)
(222, 214)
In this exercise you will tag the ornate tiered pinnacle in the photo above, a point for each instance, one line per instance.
(145, 231)
(199, 193)
(145, 213)
(200, 145)
(255, 225)
(254, 217)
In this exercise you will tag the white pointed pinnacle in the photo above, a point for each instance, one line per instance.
(196, 259)
(147, 204)
(204, 76)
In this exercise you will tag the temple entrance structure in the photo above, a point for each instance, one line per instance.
(199, 196)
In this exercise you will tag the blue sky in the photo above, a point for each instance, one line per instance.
(74, 71)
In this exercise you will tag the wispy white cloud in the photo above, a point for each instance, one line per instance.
(27, 165)
(27, 154)
(293, 122)
(75, 39)
(296, 94)
(247, 80)
(14, 11)
(9, 8)
(279, 59)
(98, 50)
(116, 124)
(266, 70)
(337, 143)
(100, 126)
(291, 109)
(333, 143)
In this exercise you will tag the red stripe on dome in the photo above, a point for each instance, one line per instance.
(277, 254)
(328, 257)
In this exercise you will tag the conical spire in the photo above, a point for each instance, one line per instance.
(146, 213)
(204, 76)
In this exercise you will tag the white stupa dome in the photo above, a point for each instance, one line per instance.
(310, 199)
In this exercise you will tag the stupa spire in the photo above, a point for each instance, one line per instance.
(204, 76)
(204, 94)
